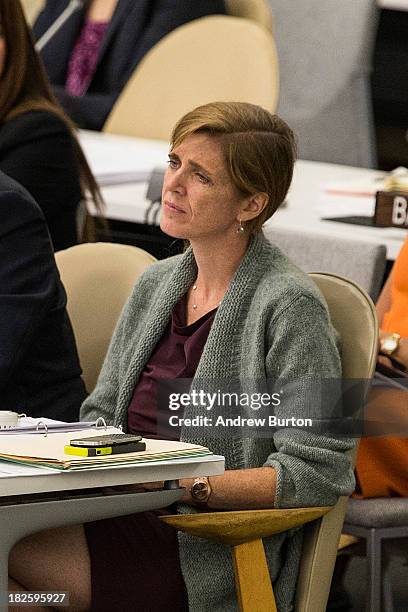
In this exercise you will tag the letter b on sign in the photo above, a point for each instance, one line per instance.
(400, 211)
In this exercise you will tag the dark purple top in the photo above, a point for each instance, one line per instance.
(176, 356)
(84, 57)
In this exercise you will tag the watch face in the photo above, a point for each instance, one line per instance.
(200, 491)
(389, 344)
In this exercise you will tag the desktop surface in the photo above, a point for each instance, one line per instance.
(15, 482)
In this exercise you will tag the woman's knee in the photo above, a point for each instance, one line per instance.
(55, 560)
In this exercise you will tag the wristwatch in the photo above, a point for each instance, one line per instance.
(200, 490)
(389, 344)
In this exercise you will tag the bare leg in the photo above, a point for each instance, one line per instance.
(54, 560)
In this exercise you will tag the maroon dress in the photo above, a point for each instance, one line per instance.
(134, 559)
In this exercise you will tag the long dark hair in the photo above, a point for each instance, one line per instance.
(25, 87)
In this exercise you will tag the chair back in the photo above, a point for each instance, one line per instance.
(257, 10)
(325, 77)
(32, 9)
(362, 262)
(213, 58)
(353, 315)
(98, 278)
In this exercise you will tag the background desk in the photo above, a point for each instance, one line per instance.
(116, 159)
(26, 514)
(305, 207)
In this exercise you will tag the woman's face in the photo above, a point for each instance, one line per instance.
(198, 198)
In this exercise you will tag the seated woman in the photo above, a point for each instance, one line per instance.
(39, 368)
(382, 468)
(231, 308)
(92, 57)
(38, 146)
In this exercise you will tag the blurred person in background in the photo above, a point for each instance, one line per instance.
(92, 57)
(382, 456)
(382, 460)
(38, 145)
(39, 367)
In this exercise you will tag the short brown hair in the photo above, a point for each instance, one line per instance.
(259, 149)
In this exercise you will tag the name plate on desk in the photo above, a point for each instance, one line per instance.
(391, 209)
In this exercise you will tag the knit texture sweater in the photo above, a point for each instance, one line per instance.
(272, 324)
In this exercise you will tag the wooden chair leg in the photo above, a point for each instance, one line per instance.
(252, 580)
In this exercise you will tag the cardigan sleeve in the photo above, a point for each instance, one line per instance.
(312, 466)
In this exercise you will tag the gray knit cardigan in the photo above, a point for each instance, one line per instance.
(271, 324)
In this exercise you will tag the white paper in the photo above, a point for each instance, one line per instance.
(10, 470)
(364, 187)
(329, 206)
(49, 450)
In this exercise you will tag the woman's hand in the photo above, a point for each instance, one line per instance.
(385, 361)
(401, 354)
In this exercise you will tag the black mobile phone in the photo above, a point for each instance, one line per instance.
(107, 440)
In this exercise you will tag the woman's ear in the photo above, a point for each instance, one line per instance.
(253, 206)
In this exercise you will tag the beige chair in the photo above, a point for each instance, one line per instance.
(98, 278)
(32, 9)
(360, 261)
(257, 10)
(213, 58)
(353, 315)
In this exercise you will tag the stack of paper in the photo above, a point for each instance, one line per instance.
(397, 180)
(356, 197)
(48, 451)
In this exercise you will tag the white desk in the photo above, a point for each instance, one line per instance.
(25, 515)
(155, 471)
(303, 211)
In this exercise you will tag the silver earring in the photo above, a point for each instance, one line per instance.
(241, 228)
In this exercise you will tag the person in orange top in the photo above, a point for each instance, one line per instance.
(382, 465)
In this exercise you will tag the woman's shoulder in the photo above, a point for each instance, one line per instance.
(18, 209)
(21, 198)
(34, 124)
(282, 283)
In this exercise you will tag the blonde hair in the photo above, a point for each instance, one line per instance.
(259, 149)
